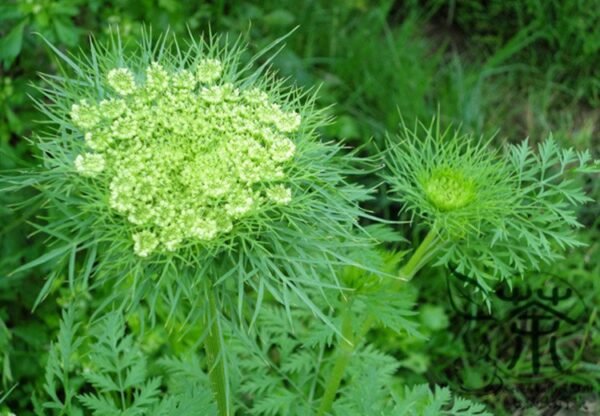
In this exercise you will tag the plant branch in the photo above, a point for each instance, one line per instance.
(421, 256)
(215, 355)
(349, 340)
(346, 349)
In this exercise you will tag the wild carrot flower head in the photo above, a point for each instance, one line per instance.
(168, 156)
(496, 214)
(184, 156)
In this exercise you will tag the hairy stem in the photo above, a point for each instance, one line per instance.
(215, 355)
(348, 343)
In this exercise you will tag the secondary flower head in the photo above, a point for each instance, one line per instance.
(493, 215)
(450, 180)
(196, 161)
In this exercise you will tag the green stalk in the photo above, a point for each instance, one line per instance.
(343, 359)
(215, 355)
(421, 256)
(348, 343)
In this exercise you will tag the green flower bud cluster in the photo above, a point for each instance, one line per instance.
(183, 156)
(449, 189)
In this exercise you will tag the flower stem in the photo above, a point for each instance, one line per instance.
(346, 348)
(215, 355)
(349, 341)
(421, 256)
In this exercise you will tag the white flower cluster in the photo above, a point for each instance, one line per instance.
(121, 80)
(89, 164)
(184, 157)
(209, 70)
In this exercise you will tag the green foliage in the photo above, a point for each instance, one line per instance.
(283, 373)
(421, 400)
(60, 364)
(544, 217)
(373, 296)
(564, 48)
(105, 371)
(500, 69)
(117, 370)
(496, 216)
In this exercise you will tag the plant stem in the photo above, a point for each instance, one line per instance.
(421, 255)
(215, 355)
(349, 341)
(337, 373)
